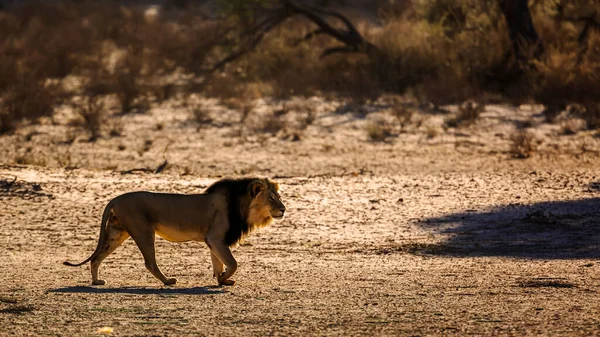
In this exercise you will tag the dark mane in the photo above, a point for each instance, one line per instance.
(236, 189)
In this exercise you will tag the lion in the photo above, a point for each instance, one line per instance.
(225, 213)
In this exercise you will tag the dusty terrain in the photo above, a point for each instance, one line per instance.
(432, 232)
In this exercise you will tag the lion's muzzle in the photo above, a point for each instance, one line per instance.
(278, 213)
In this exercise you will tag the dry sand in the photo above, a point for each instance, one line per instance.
(434, 232)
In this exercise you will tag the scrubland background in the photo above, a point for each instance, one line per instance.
(438, 159)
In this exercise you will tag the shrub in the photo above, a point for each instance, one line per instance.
(467, 113)
(91, 111)
(27, 99)
(379, 131)
(522, 144)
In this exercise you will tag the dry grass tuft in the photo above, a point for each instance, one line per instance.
(246, 110)
(402, 113)
(522, 144)
(201, 115)
(467, 114)
(92, 113)
(272, 123)
(379, 131)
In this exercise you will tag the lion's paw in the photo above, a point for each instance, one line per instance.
(99, 282)
(226, 282)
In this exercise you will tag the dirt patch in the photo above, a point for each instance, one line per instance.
(415, 236)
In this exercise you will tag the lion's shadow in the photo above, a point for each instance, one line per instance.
(140, 290)
(548, 230)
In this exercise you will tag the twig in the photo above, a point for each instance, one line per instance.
(161, 167)
(145, 170)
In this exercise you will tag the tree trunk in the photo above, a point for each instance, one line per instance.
(526, 43)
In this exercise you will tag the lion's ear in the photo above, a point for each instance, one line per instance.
(256, 188)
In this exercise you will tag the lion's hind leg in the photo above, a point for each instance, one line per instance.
(115, 235)
(145, 242)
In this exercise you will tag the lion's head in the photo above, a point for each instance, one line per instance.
(266, 203)
(252, 203)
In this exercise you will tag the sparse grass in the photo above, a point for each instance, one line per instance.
(543, 282)
(522, 144)
(5, 185)
(415, 248)
(18, 309)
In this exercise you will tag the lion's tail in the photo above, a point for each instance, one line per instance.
(105, 215)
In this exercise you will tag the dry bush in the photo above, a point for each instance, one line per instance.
(92, 113)
(201, 115)
(27, 99)
(468, 112)
(272, 124)
(591, 114)
(246, 110)
(287, 67)
(163, 92)
(522, 144)
(443, 51)
(571, 126)
(131, 94)
(309, 117)
(50, 36)
(402, 113)
(379, 131)
(567, 71)
(440, 51)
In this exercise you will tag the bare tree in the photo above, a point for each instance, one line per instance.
(526, 43)
(349, 38)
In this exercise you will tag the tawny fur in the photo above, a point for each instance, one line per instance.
(228, 211)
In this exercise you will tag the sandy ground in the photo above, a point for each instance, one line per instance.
(433, 232)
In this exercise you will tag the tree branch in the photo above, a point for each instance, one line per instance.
(309, 36)
(589, 23)
(350, 37)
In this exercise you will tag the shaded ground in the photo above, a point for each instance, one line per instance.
(546, 230)
(416, 236)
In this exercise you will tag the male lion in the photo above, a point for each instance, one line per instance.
(226, 212)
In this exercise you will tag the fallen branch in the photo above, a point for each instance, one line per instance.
(136, 170)
(159, 169)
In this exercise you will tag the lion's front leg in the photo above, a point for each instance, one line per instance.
(216, 264)
(222, 252)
